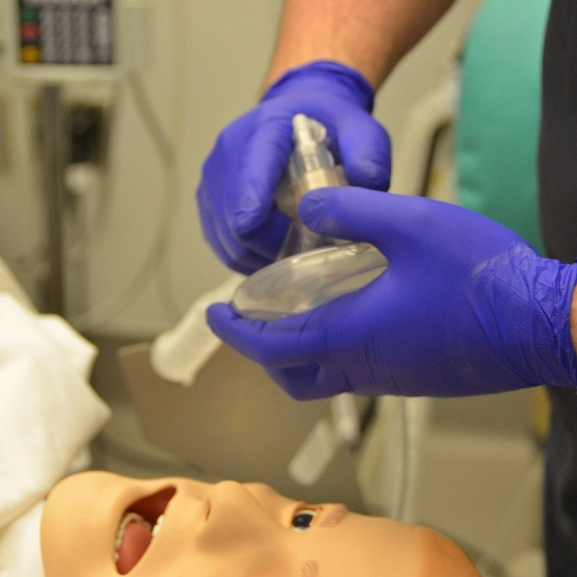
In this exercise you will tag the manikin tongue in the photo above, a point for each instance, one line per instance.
(134, 543)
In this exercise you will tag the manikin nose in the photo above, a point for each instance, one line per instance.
(243, 534)
(239, 514)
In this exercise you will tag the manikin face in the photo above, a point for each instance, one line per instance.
(226, 530)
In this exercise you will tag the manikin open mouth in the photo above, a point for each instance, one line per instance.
(139, 525)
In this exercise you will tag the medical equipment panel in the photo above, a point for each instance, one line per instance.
(59, 40)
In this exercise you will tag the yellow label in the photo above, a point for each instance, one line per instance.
(30, 54)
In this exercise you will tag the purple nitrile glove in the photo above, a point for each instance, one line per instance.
(243, 171)
(466, 307)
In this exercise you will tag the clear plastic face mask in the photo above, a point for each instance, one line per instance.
(310, 269)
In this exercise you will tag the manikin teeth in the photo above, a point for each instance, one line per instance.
(157, 526)
(129, 518)
(136, 518)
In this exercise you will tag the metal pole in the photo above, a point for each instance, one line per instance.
(54, 162)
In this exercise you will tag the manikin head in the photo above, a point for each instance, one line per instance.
(226, 530)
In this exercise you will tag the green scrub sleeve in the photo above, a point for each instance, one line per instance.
(498, 123)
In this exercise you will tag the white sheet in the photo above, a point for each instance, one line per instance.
(48, 414)
(20, 545)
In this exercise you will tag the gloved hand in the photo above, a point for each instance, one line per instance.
(466, 307)
(243, 171)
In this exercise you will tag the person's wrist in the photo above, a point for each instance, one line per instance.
(573, 319)
(565, 318)
(325, 76)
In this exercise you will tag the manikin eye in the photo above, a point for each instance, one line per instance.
(302, 519)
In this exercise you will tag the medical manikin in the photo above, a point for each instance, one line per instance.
(98, 524)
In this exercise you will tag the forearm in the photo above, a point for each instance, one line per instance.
(368, 35)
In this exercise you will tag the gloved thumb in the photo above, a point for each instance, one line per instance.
(351, 213)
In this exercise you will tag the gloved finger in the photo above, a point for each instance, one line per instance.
(221, 193)
(267, 240)
(234, 255)
(308, 382)
(261, 171)
(210, 196)
(281, 343)
(264, 242)
(364, 148)
(297, 382)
